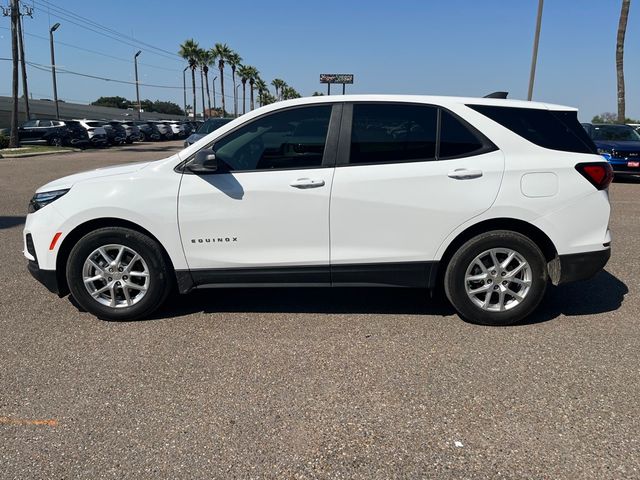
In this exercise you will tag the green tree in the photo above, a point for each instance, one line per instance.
(278, 84)
(317, 94)
(245, 72)
(168, 108)
(255, 75)
(189, 51)
(234, 61)
(114, 102)
(221, 52)
(262, 89)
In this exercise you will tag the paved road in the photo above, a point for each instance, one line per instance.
(315, 383)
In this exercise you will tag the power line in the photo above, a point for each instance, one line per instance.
(102, 54)
(119, 38)
(107, 29)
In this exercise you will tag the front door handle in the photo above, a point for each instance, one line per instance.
(307, 183)
(464, 174)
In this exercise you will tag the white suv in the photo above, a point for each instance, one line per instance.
(491, 199)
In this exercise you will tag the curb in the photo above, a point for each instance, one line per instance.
(37, 154)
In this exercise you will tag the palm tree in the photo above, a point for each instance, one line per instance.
(289, 93)
(622, 30)
(261, 87)
(245, 72)
(189, 51)
(201, 62)
(234, 61)
(278, 84)
(221, 52)
(206, 59)
(255, 75)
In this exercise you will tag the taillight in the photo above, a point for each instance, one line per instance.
(599, 174)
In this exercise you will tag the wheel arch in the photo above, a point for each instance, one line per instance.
(81, 230)
(540, 238)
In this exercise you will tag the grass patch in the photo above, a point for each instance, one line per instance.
(29, 149)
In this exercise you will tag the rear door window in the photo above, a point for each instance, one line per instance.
(457, 139)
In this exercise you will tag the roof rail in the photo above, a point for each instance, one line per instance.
(497, 95)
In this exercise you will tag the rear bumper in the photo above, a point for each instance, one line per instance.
(48, 278)
(582, 266)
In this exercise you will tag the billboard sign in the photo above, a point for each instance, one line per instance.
(336, 78)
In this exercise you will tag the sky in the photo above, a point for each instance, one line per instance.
(434, 47)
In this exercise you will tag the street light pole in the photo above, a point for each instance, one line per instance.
(213, 83)
(236, 96)
(53, 69)
(534, 57)
(184, 88)
(135, 61)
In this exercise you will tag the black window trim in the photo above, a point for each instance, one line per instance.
(329, 155)
(344, 150)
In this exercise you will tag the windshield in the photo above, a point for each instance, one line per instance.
(615, 133)
(211, 125)
(95, 124)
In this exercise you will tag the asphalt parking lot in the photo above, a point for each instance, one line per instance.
(282, 383)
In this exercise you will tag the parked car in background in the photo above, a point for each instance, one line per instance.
(130, 132)
(51, 132)
(177, 128)
(206, 128)
(491, 199)
(619, 144)
(97, 133)
(148, 131)
(116, 134)
(79, 136)
(635, 126)
(166, 132)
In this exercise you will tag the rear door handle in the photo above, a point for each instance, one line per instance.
(464, 174)
(307, 183)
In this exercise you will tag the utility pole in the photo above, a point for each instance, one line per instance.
(534, 58)
(53, 68)
(135, 61)
(14, 141)
(23, 62)
(204, 116)
(213, 84)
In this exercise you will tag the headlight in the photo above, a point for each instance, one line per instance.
(43, 199)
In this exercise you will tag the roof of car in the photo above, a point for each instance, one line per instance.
(440, 100)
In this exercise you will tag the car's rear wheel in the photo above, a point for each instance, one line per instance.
(55, 141)
(118, 274)
(497, 278)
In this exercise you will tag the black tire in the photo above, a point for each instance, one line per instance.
(160, 275)
(455, 283)
(55, 141)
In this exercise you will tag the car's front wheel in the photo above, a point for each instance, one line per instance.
(118, 274)
(497, 278)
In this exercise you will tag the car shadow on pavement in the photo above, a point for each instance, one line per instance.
(604, 293)
(10, 222)
(601, 294)
(627, 179)
(306, 300)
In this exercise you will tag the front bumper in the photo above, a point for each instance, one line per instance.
(48, 278)
(581, 266)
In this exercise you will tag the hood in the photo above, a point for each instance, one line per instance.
(68, 182)
(620, 145)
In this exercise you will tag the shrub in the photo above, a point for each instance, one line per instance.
(4, 141)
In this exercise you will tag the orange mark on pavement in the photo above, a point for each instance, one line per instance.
(25, 421)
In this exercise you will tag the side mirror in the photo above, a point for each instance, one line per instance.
(204, 162)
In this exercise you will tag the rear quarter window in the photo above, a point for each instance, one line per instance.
(556, 130)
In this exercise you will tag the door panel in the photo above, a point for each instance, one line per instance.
(268, 204)
(402, 212)
(391, 200)
(255, 219)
